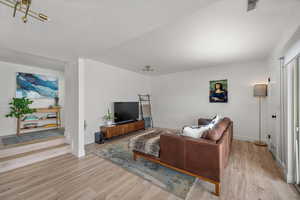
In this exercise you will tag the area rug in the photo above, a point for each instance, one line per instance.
(172, 181)
(26, 137)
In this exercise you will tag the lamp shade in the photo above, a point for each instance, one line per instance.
(260, 90)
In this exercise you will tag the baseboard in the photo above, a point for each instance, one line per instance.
(282, 167)
(89, 140)
(283, 171)
(244, 138)
(289, 178)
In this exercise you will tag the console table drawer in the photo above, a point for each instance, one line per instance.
(112, 131)
(139, 125)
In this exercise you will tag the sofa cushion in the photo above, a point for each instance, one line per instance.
(217, 131)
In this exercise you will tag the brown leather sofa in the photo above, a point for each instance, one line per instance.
(203, 158)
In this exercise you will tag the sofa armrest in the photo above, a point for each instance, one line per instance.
(172, 150)
(204, 158)
(199, 156)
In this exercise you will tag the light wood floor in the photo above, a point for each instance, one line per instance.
(252, 174)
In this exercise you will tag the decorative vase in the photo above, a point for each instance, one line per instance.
(56, 101)
(109, 123)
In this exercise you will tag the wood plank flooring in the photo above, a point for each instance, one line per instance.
(252, 174)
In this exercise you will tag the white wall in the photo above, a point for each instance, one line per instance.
(8, 91)
(181, 98)
(105, 84)
(75, 107)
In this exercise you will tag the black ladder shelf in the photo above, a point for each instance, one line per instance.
(146, 101)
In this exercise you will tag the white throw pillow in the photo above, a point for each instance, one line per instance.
(214, 121)
(194, 132)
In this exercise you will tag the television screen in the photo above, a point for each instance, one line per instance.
(126, 111)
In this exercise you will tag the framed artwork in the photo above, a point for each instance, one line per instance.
(218, 91)
(35, 86)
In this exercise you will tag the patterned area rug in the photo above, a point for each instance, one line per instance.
(172, 181)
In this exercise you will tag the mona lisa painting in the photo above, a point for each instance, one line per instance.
(218, 91)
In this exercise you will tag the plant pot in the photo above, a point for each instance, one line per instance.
(109, 123)
(18, 126)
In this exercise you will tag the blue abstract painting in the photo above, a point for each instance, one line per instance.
(35, 86)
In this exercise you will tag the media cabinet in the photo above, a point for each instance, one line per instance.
(122, 129)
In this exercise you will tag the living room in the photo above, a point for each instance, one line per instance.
(220, 121)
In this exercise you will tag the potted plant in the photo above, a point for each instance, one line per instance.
(109, 117)
(19, 107)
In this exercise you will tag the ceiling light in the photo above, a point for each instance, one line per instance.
(252, 5)
(23, 6)
(148, 69)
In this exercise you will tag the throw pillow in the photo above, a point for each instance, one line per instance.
(194, 132)
(217, 131)
(214, 121)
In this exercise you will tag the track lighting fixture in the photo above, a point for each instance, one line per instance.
(23, 6)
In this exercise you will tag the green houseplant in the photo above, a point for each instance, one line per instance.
(109, 117)
(19, 107)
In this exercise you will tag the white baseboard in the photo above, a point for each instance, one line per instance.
(244, 138)
(281, 166)
(287, 177)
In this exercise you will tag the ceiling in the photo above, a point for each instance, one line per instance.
(170, 35)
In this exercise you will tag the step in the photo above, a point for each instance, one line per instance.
(27, 158)
(31, 146)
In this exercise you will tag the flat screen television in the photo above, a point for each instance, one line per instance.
(126, 111)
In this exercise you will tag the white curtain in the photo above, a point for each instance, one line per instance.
(297, 119)
(289, 135)
(283, 114)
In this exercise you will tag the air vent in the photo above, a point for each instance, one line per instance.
(148, 69)
(252, 5)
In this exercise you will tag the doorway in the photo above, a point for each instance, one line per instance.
(291, 116)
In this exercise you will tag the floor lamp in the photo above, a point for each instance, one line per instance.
(260, 91)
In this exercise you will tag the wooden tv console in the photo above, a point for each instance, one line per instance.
(121, 129)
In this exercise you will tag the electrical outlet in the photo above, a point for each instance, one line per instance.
(85, 124)
(273, 147)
